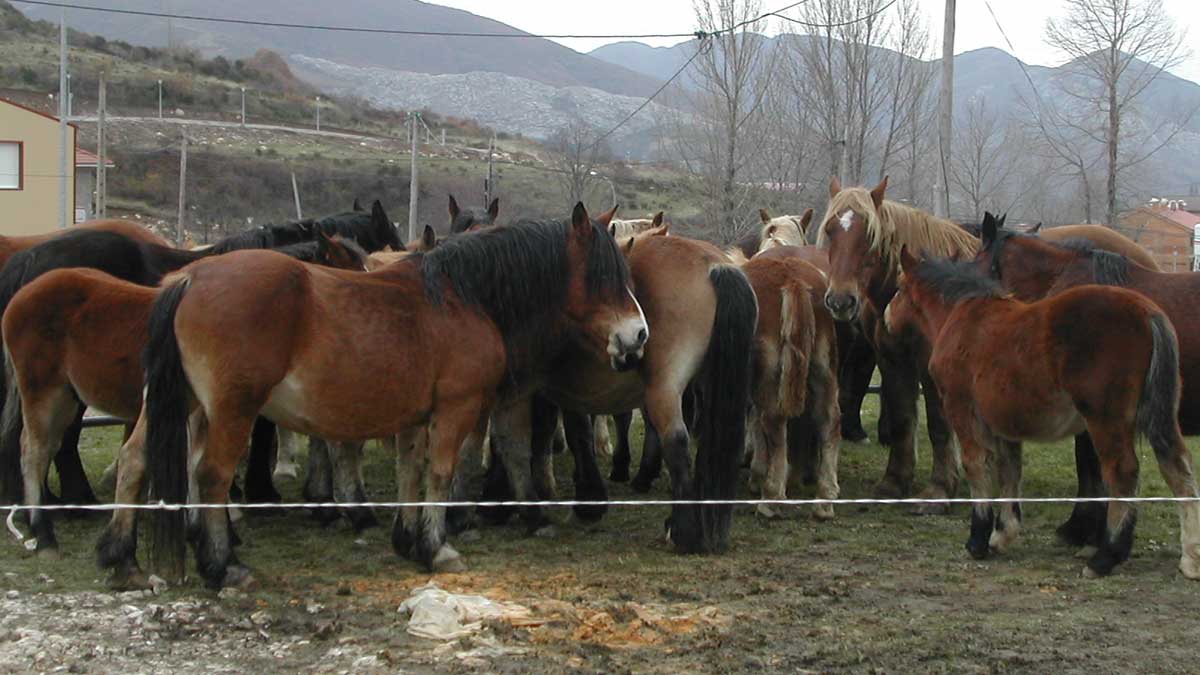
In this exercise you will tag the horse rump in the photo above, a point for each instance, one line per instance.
(724, 395)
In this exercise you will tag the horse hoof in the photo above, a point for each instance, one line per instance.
(769, 512)
(447, 561)
(286, 470)
(240, 578)
(931, 510)
(823, 512)
(889, 488)
(130, 580)
(1086, 551)
(854, 434)
(1089, 573)
(1190, 567)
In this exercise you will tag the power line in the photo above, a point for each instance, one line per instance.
(838, 24)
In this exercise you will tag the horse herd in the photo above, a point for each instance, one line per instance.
(485, 342)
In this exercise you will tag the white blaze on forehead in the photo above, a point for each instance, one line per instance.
(847, 219)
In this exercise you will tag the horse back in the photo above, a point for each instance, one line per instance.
(1102, 238)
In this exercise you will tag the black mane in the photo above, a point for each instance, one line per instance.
(955, 280)
(371, 230)
(518, 271)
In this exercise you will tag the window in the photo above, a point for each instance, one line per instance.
(11, 171)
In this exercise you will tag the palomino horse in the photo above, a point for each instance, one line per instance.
(784, 230)
(73, 338)
(435, 339)
(1094, 357)
(622, 229)
(1032, 269)
(795, 373)
(864, 233)
(703, 313)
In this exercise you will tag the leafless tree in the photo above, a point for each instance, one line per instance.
(986, 156)
(575, 152)
(1116, 49)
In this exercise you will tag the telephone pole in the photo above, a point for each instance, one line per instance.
(413, 117)
(487, 184)
(182, 188)
(101, 154)
(296, 197)
(946, 112)
(63, 169)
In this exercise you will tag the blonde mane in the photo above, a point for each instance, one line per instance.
(895, 226)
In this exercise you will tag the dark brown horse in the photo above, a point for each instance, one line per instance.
(1093, 357)
(435, 339)
(1033, 268)
(795, 374)
(472, 220)
(73, 339)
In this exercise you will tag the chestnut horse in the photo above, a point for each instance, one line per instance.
(1033, 268)
(795, 373)
(864, 233)
(434, 340)
(73, 339)
(1094, 357)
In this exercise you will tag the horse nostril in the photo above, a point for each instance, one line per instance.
(642, 336)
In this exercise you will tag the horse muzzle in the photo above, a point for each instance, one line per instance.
(627, 346)
(843, 306)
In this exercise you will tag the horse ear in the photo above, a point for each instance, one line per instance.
(605, 218)
(1002, 219)
(805, 221)
(378, 216)
(835, 186)
(764, 216)
(453, 208)
(612, 230)
(428, 238)
(770, 232)
(907, 261)
(1035, 228)
(662, 231)
(988, 230)
(629, 245)
(877, 193)
(580, 219)
(494, 209)
(356, 206)
(657, 220)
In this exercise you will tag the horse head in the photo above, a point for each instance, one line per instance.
(851, 235)
(470, 220)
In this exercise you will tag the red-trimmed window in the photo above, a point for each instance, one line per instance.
(12, 165)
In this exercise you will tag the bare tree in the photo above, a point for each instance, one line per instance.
(985, 157)
(576, 151)
(1116, 49)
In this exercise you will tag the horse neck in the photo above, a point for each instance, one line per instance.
(1053, 268)
(883, 285)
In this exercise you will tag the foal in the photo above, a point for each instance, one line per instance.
(1096, 358)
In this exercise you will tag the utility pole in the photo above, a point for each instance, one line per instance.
(101, 173)
(413, 118)
(243, 106)
(182, 188)
(318, 113)
(487, 184)
(946, 112)
(63, 169)
(296, 197)
(160, 99)
(443, 136)
(70, 97)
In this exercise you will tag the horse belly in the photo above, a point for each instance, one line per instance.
(1048, 419)
(351, 411)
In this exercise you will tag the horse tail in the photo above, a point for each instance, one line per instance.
(166, 410)
(12, 278)
(1158, 407)
(725, 380)
(11, 425)
(797, 340)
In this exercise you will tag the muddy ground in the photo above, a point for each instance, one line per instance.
(876, 590)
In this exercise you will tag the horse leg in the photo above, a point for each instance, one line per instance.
(1085, 527)
(318, 485)
(855, 379)
(1008, 518)
(222, 444)
(983, 519)
(287, 451)
(348, 487)
(1119, 468)
(652, 460)
(621, 456)
(947, 457)
(559, 444)
(470, 472)
(900, 387)
(260, 489)
(409, 448)
(46, 420)
(771, 458)
(108, 479)
(824, 413)
(545, 419)
(664, 411)
(73, 482)
(511, 441)
(589, 482)
(1175, 464)
(449, 428)
(496, 488)
(602, 437)
(117, 548)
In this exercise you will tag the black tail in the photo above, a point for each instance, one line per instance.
(12, 278)
(11, 425)
(167, 397)
(1158, 408)
(724, 397)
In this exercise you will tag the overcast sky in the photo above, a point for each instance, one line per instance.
(1024, 21)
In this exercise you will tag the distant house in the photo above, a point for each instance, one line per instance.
(1164, 228)
(29, 170)
(86, 164)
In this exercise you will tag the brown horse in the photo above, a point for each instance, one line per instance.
(1096, 358)
(433, 339)
(864, 234)
(472, 220)
(11, 245)
(1033, 268)
(795, 373)
(73, 339)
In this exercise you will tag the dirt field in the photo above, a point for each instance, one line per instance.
(876, 590)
